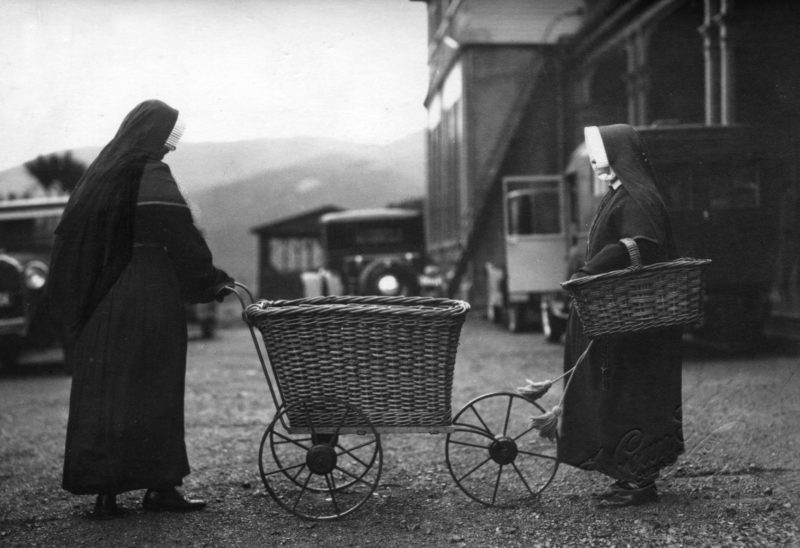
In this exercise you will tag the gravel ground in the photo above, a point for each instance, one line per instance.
(737, 485)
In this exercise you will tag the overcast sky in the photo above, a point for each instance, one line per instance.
(236, 69)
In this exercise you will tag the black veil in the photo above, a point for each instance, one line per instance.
(627, 156)
(94, 239)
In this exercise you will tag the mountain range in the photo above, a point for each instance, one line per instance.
(237, 186)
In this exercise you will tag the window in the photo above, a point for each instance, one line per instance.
(720, 185)
(733, 188)
(448, 199)
(295, 254)
(535, 211)
(28, 234)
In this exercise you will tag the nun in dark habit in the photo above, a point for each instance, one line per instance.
(127, 257)
(622, 414)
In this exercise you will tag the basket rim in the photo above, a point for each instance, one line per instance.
(357, 304)
(681, 263)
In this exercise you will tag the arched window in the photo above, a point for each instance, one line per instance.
(675, 64)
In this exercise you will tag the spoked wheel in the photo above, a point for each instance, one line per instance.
(324, 473)
(494, 454)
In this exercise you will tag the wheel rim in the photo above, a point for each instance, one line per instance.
(494, 455)
(320, 475)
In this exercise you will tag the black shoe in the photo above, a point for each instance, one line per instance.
(631, 497)
(105, 507)
(170, 500)
(613, 490)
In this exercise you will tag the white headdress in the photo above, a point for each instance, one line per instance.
(595, 146)
(176, 134)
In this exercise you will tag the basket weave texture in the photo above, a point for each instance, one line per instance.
(391, 357)
(640, 298)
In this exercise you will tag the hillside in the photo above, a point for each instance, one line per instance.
(228, 213)
(199, 166)
(237, 186)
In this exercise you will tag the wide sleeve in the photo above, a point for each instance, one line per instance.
(164, 211)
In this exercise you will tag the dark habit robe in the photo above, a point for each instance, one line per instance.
(622, 409)
(130, 233)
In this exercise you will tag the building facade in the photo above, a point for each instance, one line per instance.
(513, 82)
(287, 248)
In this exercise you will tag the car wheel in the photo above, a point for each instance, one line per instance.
(514, 317)
(9, 359)
(207, 329)
(547, 329)
(553, 327)
(491, 313)
(746, 338)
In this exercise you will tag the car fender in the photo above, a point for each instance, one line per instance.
(321, 282)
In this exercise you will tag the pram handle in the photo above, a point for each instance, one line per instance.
(241, 291)
(246, 299)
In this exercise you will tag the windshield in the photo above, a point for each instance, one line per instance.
(375, 236)
(27, 234)
(534, 211)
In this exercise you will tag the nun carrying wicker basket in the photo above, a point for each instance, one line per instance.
(620, 412)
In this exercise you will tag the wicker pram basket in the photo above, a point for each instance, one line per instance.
(640, 298)
(392, 357)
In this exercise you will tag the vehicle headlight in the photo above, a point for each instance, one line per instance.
(35, 275)
(389, 285)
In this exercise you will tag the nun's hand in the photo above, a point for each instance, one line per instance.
(222, 290)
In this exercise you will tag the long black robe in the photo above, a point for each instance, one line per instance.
(126, 423)
(622, 409)
(126, 256)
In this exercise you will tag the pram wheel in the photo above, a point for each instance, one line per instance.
(494, 454)
(320, 458)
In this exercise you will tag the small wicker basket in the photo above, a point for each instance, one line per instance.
(640, 298)
(392, 357)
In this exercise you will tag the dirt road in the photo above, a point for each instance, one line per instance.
(737, 485)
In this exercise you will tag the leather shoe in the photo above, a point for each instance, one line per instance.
(631, 497)
(170, 500)
(613, 489)
(105, 507)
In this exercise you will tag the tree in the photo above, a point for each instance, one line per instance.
(53, 168)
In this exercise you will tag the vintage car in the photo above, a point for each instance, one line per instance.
(539, 238)
(26, 240)
(373, 252)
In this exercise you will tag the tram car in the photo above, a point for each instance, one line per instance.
(722, 199)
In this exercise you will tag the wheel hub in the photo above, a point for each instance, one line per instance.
(321, 459)
(503, 450)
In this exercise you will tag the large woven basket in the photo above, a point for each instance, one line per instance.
(391, 357)
(640, 298)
